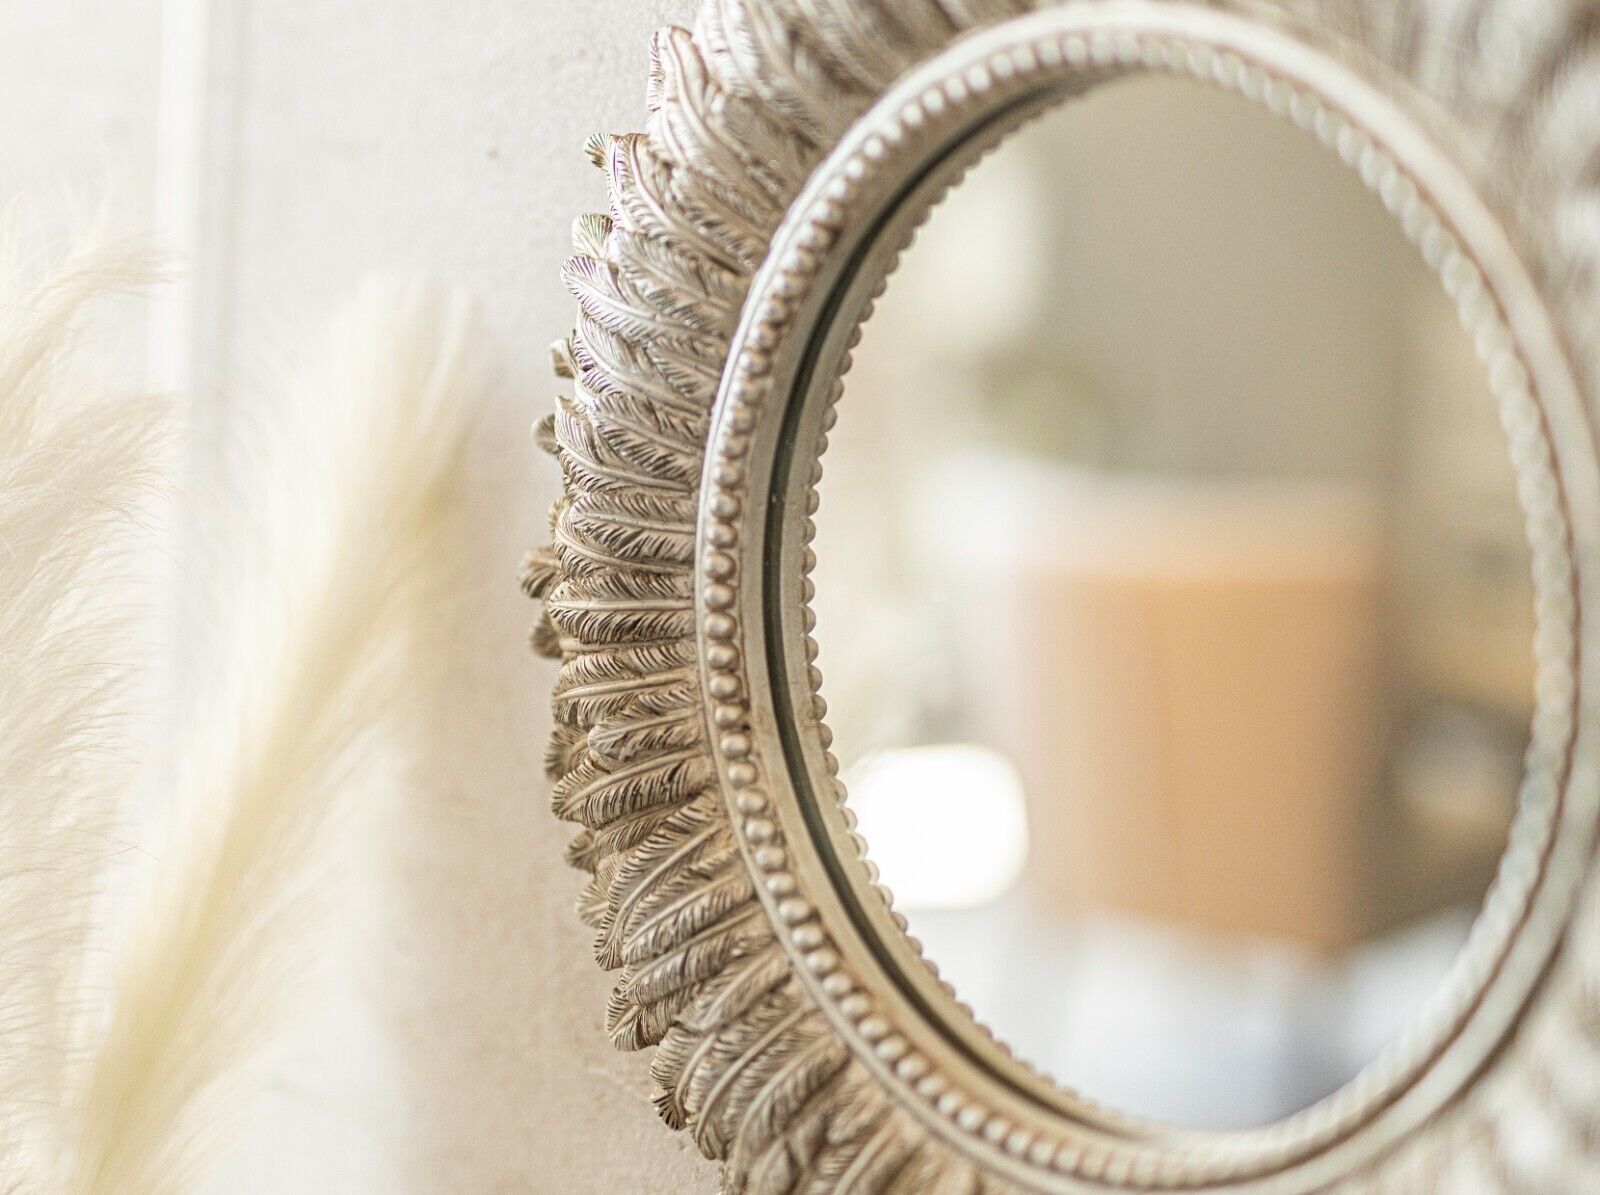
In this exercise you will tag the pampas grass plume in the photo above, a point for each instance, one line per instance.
(331, 563)
(75, 462)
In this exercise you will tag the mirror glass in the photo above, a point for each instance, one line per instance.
(1174, 608)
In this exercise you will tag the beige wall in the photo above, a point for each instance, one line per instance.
(292, 147)
(374, 136)
(78, 94)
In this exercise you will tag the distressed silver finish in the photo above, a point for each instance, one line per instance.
(792, 145)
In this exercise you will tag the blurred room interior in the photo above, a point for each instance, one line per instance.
(1174, 608)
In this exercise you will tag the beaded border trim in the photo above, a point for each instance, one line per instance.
(900, 131)
(751, 950)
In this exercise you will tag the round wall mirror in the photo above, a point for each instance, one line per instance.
(1091, 697)
(1175, 608)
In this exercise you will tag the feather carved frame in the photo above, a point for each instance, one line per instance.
(792, 147)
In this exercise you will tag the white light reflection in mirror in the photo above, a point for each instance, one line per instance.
(1173, 608)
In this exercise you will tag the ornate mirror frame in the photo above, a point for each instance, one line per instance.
(793, 146)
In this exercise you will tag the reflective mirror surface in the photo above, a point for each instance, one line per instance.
(1173, 607)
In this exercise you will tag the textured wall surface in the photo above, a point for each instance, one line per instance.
(466, 1053)
(82, 111)
(286, 150)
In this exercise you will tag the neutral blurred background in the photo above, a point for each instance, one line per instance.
(1174, 608)
(285, 150)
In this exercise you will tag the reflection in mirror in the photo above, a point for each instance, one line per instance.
(1174, 608)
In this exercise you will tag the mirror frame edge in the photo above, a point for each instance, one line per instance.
(931, 1128)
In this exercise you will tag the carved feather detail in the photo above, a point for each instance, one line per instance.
(720, 135)
(659, 282)
(746, 1063)
(739, 113)
(647, 531)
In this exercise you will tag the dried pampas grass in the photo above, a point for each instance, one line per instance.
(333, 544)
(74, 462)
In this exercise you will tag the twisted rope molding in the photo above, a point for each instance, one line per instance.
(771, 1053)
